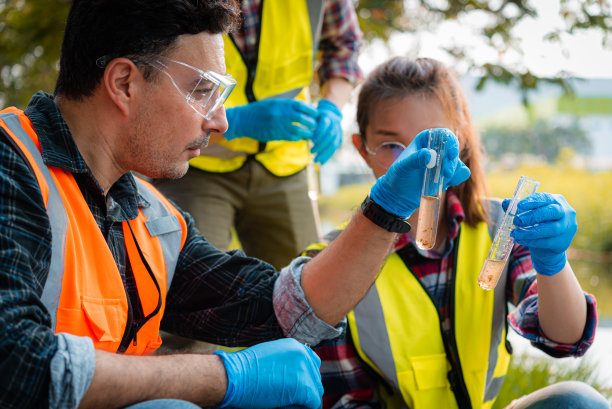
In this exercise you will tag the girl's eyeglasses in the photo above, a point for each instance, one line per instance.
(386, 153)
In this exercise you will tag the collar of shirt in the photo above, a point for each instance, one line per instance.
(60, 150)
(456, 215)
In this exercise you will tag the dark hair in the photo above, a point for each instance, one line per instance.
(134, 28)
(400, 77)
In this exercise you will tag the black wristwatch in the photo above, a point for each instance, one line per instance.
(384, 219)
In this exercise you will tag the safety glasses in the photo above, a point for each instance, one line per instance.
(204, 91)
(386, 153)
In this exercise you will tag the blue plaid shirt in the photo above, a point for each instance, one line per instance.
(219, 297)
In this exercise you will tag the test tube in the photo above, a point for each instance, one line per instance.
(427, 225)
(502, 244)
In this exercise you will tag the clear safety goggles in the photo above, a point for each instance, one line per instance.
(386, 153)
(204, 92)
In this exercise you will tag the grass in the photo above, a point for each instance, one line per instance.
(527, 374)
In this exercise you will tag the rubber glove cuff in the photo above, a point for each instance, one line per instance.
(553, 265)
(232, 365)
(327, 105)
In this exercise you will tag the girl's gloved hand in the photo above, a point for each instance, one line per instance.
(399, 190)
(545, 224)
(273, 374)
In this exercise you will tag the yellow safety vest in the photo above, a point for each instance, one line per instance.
(396, 329)
(289, 33)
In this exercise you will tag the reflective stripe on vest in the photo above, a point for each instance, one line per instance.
(55, 210)
(396, 330)
(83, 292)
(287, 46)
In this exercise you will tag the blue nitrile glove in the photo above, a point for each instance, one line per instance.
(399, 190)
(272, 120)
(273, 374)
(545, 224)
(327, 136)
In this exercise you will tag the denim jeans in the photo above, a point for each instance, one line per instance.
(164, 404)
(562, 395)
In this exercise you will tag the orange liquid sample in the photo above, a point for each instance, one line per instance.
(491, 271)
(427, 224)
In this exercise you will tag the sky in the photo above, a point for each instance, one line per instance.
(581, 54)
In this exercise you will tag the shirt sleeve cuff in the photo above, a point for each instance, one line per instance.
(294, 314)
(524, 320)
(72, 368)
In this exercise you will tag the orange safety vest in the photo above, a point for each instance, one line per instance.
(83, 291)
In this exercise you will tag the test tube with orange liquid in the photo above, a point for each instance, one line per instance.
(429, 209)
(503, 242)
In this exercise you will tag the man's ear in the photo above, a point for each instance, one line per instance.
(121, 81)
(358, 144)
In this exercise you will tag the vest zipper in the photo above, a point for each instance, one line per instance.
(127, 334)
(132, 327)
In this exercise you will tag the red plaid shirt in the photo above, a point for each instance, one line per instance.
(339, 42)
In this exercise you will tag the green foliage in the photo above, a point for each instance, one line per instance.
(543, 138)
(31, 33)
(585, 106)
(30, 37)
(527, 374)
(589, 193)
(380, 18)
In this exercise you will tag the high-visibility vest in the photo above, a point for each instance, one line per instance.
(288, 40)
(396, 330)
(83, 291)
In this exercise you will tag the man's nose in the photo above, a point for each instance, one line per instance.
(218, 122)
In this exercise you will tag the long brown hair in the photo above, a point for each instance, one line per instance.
(400, 77)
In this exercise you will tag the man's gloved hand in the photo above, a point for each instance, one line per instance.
(272, 120)
(327, 136)
(545, 224)
(399, 190)
(273, 374)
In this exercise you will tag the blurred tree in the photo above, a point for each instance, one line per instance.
(543, 138)
(30, 37)
(381, 18)
(31, 32)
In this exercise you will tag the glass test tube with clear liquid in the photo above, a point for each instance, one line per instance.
(427, 225)
(502, 244)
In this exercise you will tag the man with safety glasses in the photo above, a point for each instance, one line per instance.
(95, 260)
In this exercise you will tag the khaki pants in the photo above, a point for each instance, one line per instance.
(272, 215)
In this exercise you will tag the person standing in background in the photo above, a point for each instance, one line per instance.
(255, 180)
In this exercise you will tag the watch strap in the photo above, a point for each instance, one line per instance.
(382, 218)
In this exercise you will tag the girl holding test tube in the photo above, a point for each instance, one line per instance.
(426, 335)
